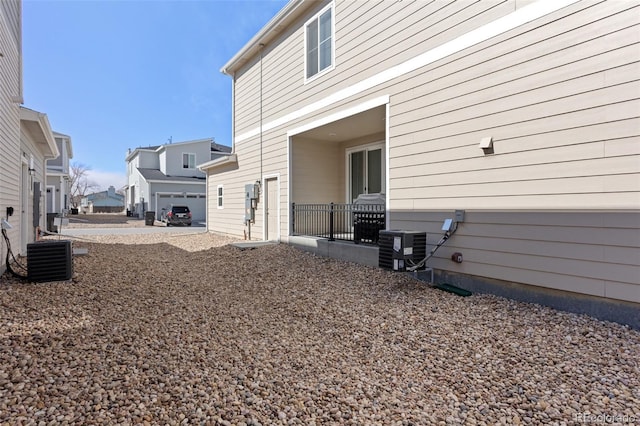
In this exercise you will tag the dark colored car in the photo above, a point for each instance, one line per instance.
(176, 215)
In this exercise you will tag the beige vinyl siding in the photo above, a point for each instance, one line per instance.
(10, 70)
(230, 219)
(388, 34)
(318, 172)
(360, 53)
(283, 64)
(557, 204)
(590, 252)
(555, 124)
(288, 59)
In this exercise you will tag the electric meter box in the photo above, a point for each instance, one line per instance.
(251, 193)
(401, 249)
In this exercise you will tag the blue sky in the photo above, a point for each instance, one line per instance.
(121, 74)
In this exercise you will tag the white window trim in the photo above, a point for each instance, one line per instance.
(316, 17)
(368, 147)
(194, 160)
(220, 198)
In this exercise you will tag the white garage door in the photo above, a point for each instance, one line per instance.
(197, 203)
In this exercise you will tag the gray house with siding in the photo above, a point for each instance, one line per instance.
(524, 114)
(58, 186)
(108, 201)
(162, 175)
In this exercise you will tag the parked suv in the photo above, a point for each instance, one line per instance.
(176, 215)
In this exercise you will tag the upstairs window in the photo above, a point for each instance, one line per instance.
(319, 43)
(188, 161)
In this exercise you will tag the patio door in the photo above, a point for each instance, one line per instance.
(366, 171)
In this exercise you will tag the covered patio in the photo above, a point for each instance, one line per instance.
(333, 162)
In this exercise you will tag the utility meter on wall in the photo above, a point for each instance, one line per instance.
(252, 193)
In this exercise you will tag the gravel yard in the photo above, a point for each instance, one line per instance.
(104, 220)
(187, 329)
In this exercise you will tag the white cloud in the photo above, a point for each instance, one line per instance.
(103, 180)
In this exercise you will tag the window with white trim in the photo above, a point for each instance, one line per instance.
(220, 196)
(319, 43)
(188, 160)
(366, 170)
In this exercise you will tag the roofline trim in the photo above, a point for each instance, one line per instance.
(253, 45)
(164, 146)
(227, 159)
(187, 182)
(28, 114)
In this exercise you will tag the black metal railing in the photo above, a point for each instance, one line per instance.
(334, 221)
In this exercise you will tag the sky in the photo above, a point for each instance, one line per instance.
(120, 74)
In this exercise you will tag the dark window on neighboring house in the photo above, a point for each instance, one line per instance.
(188, 161)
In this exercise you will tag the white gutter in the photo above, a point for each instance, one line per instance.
(218, 162)
(44, 124)
(181, 182)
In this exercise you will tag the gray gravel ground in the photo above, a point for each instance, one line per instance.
(188, 330)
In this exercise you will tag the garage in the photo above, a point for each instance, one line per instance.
(196, 202)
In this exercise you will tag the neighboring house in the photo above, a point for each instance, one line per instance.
(158, 176)
(26, 141)
(58, 177)
(108, 201)
(523, 114)
(37, 145)
(10, 100)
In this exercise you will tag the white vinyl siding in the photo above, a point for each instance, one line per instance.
(10, 90)
(220, 196)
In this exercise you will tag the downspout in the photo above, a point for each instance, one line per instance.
(233, 113)
(261, 140)
(261, 56)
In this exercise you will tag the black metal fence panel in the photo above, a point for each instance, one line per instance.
(334, 221)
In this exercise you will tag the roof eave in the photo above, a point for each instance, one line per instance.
(287, 14)
(42, 122)
(136, 151)
(227, 159)
(68, 140)
(185, 182)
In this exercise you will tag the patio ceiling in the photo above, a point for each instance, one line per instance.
(365, 123)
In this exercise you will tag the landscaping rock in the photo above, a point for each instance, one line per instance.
(170, 329)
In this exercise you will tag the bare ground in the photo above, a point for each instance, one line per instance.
(191, 330)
